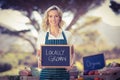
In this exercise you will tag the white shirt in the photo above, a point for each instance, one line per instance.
(42, 36)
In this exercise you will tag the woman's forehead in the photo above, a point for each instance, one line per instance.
(53, 12)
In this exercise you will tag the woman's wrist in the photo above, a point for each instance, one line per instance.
(38, 53)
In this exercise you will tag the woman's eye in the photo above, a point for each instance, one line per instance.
(56, 16)
(50, 16)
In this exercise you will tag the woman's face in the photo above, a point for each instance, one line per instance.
(53, 18)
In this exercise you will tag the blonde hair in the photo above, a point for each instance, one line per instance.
(45, 23)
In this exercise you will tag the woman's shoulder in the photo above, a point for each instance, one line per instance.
(68, 33)
(42, 33)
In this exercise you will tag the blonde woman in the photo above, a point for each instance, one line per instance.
(53, 35)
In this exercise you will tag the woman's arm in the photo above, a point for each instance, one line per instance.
(39, 58)
(40, 41)
(68, 36)
(72, 57)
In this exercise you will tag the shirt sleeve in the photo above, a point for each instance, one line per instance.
(68, 37)
(40, 40)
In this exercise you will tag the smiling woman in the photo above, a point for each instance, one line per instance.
(53, 35)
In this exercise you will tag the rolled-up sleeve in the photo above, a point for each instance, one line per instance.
(40, 40)
(68, 36)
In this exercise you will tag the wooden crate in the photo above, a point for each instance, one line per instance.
(29, 78)
(4, 78)
(112, 76)
(18, 78)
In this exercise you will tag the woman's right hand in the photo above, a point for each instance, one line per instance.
(39, 63)
(38, 58)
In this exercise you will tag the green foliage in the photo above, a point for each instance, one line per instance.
(14, 71)
(14, 59)
(9, 58)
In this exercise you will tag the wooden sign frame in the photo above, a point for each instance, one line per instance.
(55, 56)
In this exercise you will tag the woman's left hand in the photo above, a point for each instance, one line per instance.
(70, 67)
(72, 58)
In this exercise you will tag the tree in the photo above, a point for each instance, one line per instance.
(77, 7)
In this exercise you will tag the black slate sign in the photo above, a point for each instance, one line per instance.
(55, 56)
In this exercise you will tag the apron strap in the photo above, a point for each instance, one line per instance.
(64, 36)
(46, 39)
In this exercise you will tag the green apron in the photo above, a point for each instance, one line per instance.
(55, 73)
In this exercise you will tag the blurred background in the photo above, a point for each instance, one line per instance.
(94, 24)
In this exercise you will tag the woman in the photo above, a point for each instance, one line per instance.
(53, 35)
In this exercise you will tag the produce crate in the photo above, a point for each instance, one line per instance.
(112, 76)
(4, 78)
(29, 78)
(19, 78)
(16, 77)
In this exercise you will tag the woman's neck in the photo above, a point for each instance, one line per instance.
(54, 31)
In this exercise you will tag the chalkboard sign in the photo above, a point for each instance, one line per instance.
(57, 56)
(93, 62)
